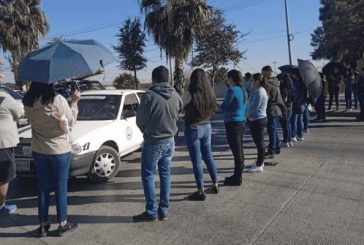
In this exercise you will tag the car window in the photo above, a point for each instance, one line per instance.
(98, 107)
(130, 107)
(140, 94)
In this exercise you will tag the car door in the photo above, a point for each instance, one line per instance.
(131, 134)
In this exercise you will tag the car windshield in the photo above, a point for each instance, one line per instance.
(98, 107)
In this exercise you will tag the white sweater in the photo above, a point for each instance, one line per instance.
(10, 111)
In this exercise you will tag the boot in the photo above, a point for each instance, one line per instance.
(234, 180)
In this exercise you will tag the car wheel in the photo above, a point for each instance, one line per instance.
(105, 165)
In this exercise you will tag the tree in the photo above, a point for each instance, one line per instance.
(340, 37)
(131, 47)
(124, 81)
(216, 44)
(22, 23)
(173, 25)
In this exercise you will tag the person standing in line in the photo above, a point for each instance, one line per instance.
(320, 103)
(298, 107)
(198, 131)
(287, 92)
(334, 87)
(234, 107)
(275, 110)
(349, 81)
(247, 78)
(256, 115)
(156, 118)
(10, 111)
(51, 150)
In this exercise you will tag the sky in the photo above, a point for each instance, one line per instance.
(263, 20)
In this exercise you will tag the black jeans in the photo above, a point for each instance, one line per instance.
(334, 94)
(234, 135)
(348, 99)
(320, 107)
(257, 131)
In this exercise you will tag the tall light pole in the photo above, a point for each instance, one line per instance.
(289, 36)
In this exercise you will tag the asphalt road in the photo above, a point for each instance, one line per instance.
(314, 195)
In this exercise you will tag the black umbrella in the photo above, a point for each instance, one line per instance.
(311, 78)
(289, 69)
(329, 68)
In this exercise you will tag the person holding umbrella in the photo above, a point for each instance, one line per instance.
(51, 149)
(51, 117)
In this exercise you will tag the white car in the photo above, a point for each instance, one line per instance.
(105, 131)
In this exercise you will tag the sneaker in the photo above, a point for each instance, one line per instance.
(197, 196)
(285, 145)
(306, 131)
(232, 181)
(7, 209)
(144, 217)
(300, 139)
(162, 217)
(349, 110)
(215, 188)
(67, 228)
(290, 144)
(254, 169)
(43, 230)
(268, 155)
(294, 139)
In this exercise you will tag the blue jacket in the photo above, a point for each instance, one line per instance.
(233, 106)
(257, 107)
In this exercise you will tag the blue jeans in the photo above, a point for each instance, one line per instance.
(198, 139)
(272, 129)
(306, 118)
(152, 155)
(297, 125)
(52, 173)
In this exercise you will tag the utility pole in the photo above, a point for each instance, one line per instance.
(289, 36)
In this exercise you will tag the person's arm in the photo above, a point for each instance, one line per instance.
(227, 100)
(144, 112)
(70, 112)
(253, 104)
(15, 108)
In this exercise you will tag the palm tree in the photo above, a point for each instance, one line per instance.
(22, 22)
(173, 24)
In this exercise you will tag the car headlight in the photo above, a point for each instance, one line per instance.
(76, 148)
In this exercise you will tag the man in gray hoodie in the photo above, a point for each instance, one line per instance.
(157, 119)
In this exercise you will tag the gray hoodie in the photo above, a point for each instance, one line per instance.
(275, 102)
(158, 113)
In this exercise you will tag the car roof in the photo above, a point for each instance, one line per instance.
(111, 92)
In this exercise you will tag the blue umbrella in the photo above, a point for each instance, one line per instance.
(64, 59)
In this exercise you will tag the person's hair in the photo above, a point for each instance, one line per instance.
(248, 76)
(262, 83)
(267, 72)
(202, 94)
(237, 77)
(37, 91)
(160, 75)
